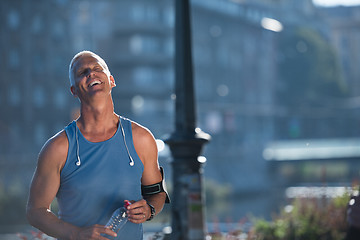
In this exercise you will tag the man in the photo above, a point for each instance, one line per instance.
(95, 164)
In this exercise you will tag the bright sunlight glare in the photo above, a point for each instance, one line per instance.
(160, 145)
(271, 24)
(331, 3)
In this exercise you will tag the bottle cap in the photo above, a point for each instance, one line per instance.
(127, 203)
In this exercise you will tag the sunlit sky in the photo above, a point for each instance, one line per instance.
(337, 2)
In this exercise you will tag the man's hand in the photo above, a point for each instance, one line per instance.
(138, 212)
(94, 232)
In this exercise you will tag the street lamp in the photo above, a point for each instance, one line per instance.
(186, 143)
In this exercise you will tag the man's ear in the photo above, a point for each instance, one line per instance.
(112, 81)
(73, 91)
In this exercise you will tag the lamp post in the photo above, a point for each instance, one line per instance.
(187, 141)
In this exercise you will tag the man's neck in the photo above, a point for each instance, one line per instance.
(97, 123)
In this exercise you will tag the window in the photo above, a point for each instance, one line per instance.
(59, 98)
(84, 13)
(146, 44)
(152, 13)
(151, 44)
(169, 17)
(39, 96)
(143, 76)
(37, 24)
(136, 44)
(169, 48)
(58, 29)
(137, 104)
(13, 19)
(137, 13)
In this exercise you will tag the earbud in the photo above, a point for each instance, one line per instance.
(78, 163)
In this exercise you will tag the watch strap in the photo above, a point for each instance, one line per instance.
(152, 212)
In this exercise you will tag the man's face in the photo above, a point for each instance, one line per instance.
(91, 77)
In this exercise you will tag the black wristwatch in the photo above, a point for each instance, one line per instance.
(152, 211)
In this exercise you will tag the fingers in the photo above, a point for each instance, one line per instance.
(109, 232)
(95, 232)
(138, 212)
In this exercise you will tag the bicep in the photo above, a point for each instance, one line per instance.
(43, 189)
(146, 148)
(46, 179)
(151, 172)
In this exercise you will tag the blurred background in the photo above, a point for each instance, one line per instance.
(277, 86)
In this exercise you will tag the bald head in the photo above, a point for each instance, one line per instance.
(80, 55)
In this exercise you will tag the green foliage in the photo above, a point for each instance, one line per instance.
(308, 219)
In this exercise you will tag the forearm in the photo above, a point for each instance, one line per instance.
(47, 222)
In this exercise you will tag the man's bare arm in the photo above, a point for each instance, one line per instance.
(43, 189)
(146, 148)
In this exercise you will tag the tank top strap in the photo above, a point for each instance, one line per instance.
(70, 131)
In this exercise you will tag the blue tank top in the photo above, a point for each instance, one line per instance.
(89, 193)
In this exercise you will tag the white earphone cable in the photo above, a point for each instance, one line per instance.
(131, 163)
(78, 162)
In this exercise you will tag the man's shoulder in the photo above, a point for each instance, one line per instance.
(54, 151)
(139, 131)
(144, 140)
(144, 143)
(57, 142)
(59, 137)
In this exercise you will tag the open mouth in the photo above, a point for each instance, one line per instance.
(93, 83)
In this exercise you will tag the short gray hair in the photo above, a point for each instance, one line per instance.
(79, 55)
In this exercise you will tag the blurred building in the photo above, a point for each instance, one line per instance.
(34, 53)
(344, 23)
(236, 71)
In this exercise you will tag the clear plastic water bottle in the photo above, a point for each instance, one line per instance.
(118, 219)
